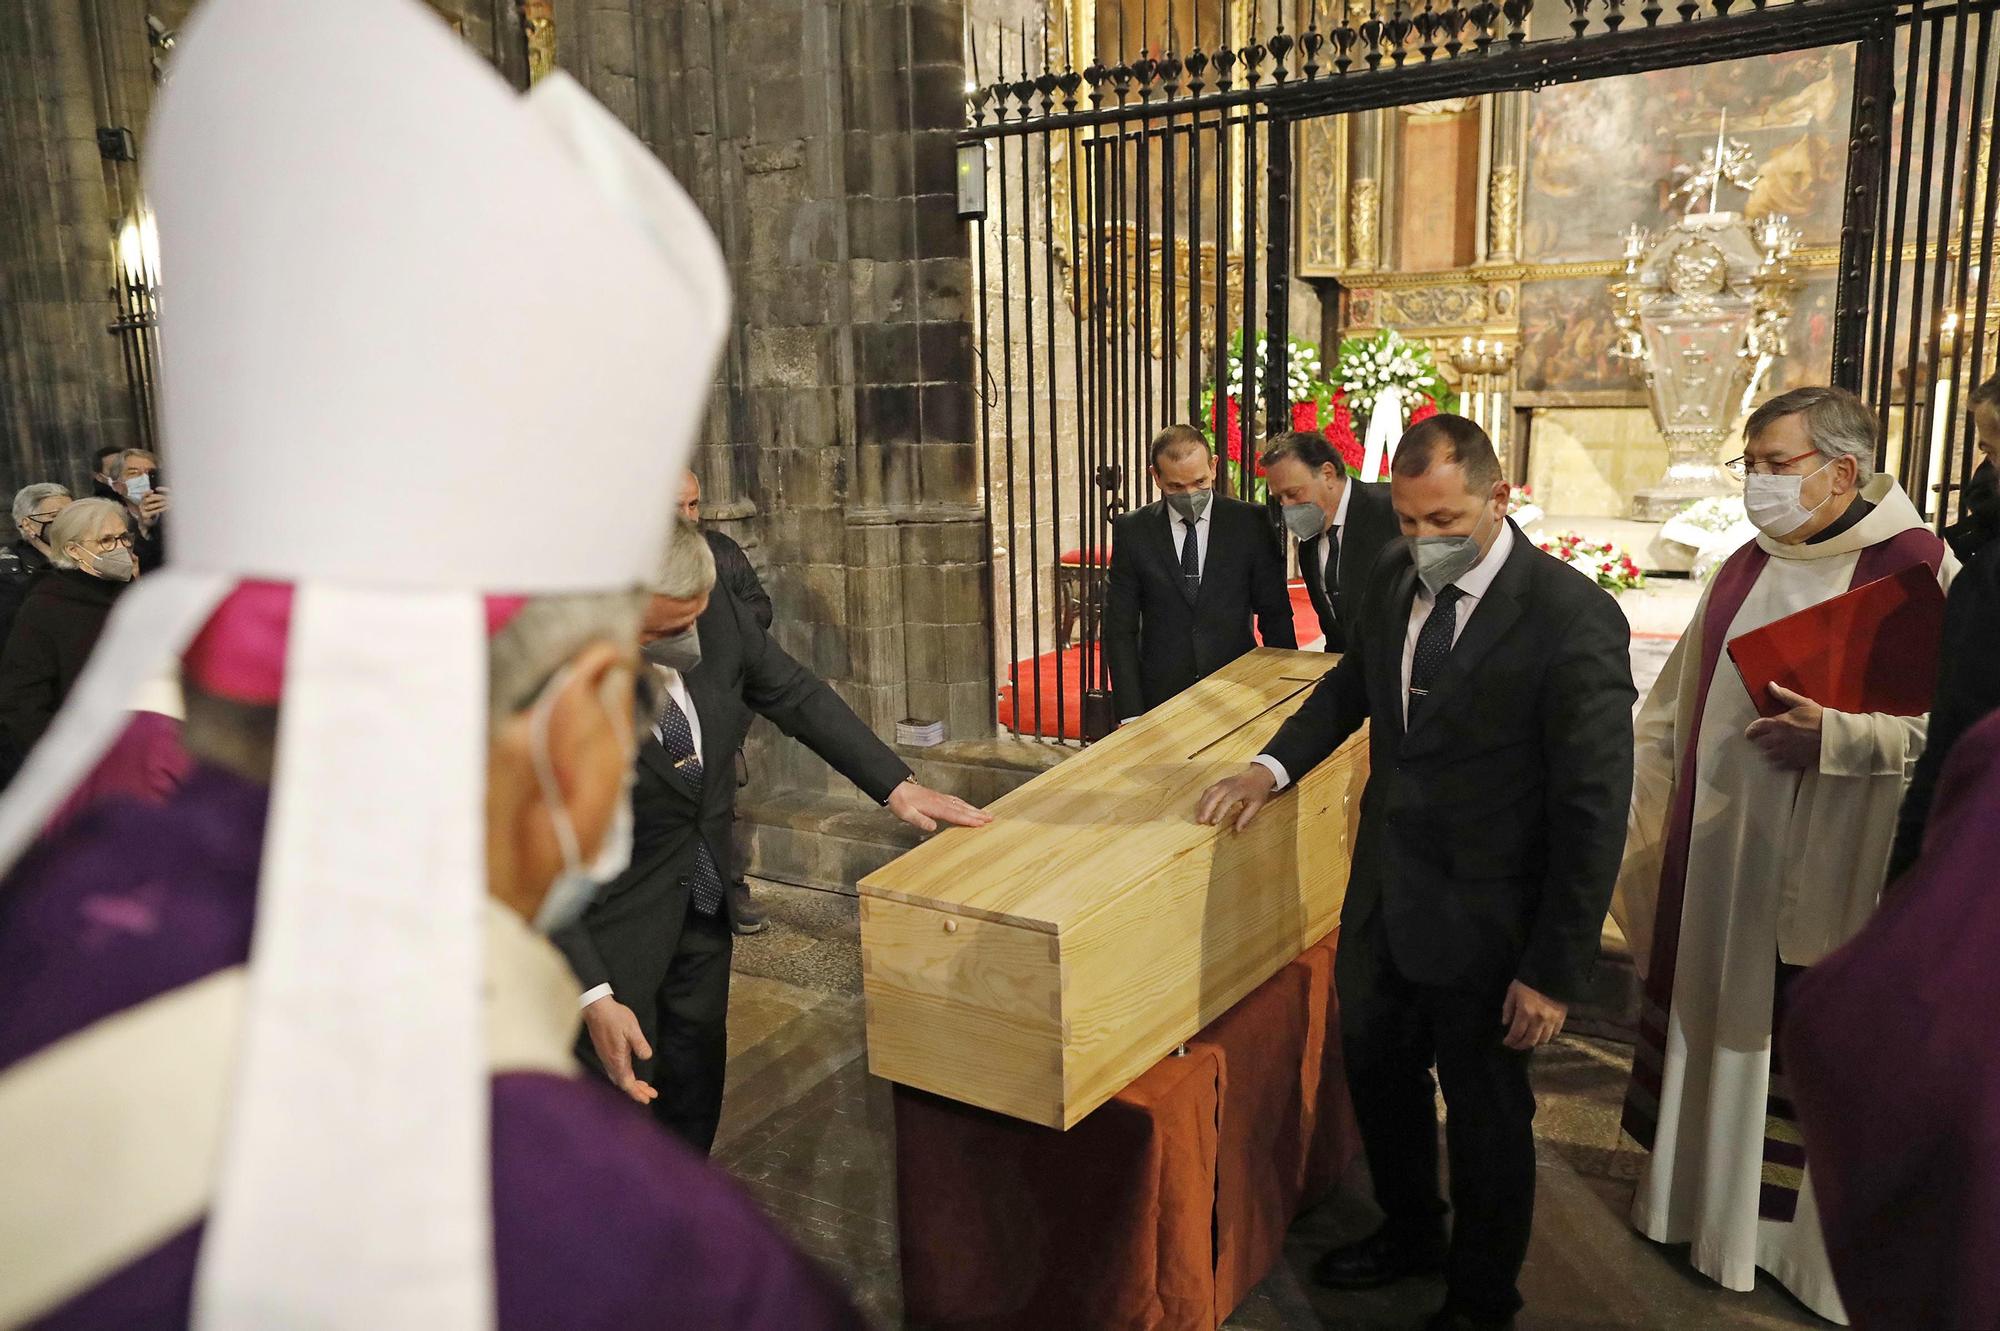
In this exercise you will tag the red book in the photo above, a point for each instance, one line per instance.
(1874, 649)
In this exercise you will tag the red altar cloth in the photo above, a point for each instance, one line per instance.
(1162, 1209)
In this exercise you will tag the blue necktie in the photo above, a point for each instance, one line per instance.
(677, 737)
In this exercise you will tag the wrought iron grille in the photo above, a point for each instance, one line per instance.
(1140, 213)
(1926, 329)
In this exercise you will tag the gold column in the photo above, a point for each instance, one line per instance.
(1503, 181)
(1364, 192)
(538, 22)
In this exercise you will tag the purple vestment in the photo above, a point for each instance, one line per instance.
(1896, 1073)
(600, 1218)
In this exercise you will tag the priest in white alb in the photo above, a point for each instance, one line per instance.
(1757, 846)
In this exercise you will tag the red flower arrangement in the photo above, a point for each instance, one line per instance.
(1338, 429)
(1232, 439)
(1320, 406)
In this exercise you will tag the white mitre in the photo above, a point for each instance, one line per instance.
(407, 316)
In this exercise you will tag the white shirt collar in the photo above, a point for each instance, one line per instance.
(1175, 521)
(1340, 509)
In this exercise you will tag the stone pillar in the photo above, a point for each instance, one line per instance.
(820, 141)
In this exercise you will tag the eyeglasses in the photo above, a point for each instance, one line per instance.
(1741, 465)
(103, 544)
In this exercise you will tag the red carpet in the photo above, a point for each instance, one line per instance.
(1067, 667)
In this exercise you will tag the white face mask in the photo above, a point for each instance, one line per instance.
(576, 886)
(1772, 502)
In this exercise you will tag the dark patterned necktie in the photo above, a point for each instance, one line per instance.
(1330, 581)
(1191, 560)
(677, 737)
(1433, 645)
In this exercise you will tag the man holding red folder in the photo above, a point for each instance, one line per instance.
(1757, 846)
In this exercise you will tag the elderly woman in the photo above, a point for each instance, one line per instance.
(90, 547)
(26, 562)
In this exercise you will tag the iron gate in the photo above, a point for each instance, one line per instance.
(1140, 223)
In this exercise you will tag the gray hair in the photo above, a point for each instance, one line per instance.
(31, 497)
(521, 659)
(547, 635)
(687, 565)
(77, 524)
(1839, 424)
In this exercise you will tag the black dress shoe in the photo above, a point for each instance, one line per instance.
(1380, 1260)
(744, 915)
(1449, 1318)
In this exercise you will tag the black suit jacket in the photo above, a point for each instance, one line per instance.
(1157, 641)
(1371, 524)
(734, 571)
(619, 939)
(1968, 688)
(1491, 832)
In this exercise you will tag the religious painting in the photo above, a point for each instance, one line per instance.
(1809, 334)
(1566, 338)
(1601, 154)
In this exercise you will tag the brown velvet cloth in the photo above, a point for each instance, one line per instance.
(1162, 1209)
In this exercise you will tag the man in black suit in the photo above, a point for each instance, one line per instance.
(734, 571)
(732, 566)
(652, 952)
(1497, 687)
(1341, 524)
(1968, 681)
(1187, 573)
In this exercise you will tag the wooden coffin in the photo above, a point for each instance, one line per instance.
(1036, 966)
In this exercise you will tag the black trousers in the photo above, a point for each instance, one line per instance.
(1392, 1032)
(691, 1043)
(686, 1020)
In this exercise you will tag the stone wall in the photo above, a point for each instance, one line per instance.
(818, 136)
(67, 68)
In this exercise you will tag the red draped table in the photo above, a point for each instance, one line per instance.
(1162, 1209)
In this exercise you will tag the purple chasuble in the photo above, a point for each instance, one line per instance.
(1897, 1073)
(600, 1218)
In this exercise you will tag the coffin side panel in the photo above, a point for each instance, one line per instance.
(1146, 974)
(963, 1007)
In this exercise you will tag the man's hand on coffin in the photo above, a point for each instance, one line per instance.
(1790, 740)
(1250, 789)
(924, 808)
(1532, 1018)
(615, 1034)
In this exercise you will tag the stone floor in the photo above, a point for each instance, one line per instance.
(807, 1131)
